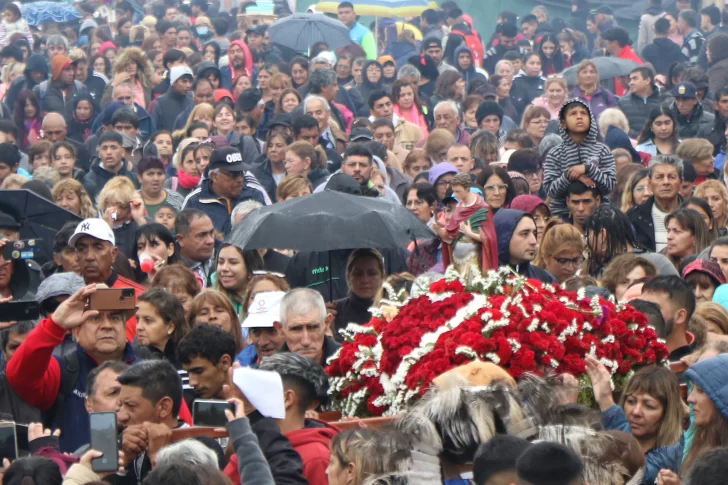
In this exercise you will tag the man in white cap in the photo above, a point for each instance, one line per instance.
(96, 249)
(176, 100)
(267, 339)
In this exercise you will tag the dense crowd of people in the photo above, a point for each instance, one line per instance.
(161, 126)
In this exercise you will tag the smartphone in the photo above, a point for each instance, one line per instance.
(104, 438)
(113, 299)
(8, 441)
(21, 433)
(210, 412)
(15, 311)
(23, 249)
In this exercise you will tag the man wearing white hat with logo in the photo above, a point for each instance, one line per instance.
(267, 339)
(223, 188)
(176, 100)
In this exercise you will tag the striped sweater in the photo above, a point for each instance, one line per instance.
(596, 157)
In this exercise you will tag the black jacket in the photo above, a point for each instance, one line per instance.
(526, 89)
(699, 125)
(644, 229)
(662, 53)
(167, 107)
(330, 348)
(505, 222)
(637, 109)
(52, 99)
(36, 62)
(97, 177)
(351, 309)
(264, 173)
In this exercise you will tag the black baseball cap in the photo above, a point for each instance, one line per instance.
(361, 134)
(227, 158)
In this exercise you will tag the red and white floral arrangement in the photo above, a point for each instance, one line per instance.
(521, 325)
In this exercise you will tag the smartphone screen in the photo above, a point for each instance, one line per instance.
(113, 299)
(210, 412)
(21, 433)
(8, 442)
(19, 310)
(23, 249)
(104, 438)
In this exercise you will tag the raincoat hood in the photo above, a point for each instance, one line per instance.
(58, 284)
(459, 50)
(36, 62)
(439, 170)
(617, 138)
(248, 59)
(529, 203)
(365, 80)
(712, 378)
(206, 67)
(593, 133)
(505, 222)
(58, 63)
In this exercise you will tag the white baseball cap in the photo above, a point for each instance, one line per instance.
(265, 310)
(93, 227)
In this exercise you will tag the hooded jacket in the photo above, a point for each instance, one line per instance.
(469, 74)
(36, 62)
(207, 67)
(81, 130)
(596, 157)
(699, 125)
(505, 222)
(168, 106)
(228, 73)
(312, 443)
(662, 53)
(617, 138)
(51, 95)
(525, 89)
(637, 109)
(366, 88)
(647, 23)
(97, 177)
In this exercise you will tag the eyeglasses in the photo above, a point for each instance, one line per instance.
(539, 122)
(496, 188)
(570, 262)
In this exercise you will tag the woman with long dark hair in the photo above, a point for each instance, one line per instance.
(660, 135)
(608, 234)
(27, 117)
(449, 85)
(407, 105)
(552, 59)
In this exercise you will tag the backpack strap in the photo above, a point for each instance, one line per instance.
(70, 370)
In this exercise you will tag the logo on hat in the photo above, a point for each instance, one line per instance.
(234, 157)
(681, 89)
(85, 226)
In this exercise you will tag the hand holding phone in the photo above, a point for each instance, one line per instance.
(8, 440)
(113, 299)
(211, 412)
(104, 439)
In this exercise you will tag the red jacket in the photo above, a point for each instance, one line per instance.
(626, 53)
(131, 323)
(312, 443)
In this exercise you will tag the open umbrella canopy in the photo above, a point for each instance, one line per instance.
(302, 30)
(382, 8)
(36, 13)
(38, 217)
(608, 67)
(328, 221)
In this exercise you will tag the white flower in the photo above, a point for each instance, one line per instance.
(493, 357)
(468, 351)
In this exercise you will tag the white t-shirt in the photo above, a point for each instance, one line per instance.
(658, 219)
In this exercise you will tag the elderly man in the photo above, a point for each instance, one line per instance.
(267, 339)
(55, 130)
(58, 385)
(504, 68)
(323, 82)
(57, 45)
(196, 240)
(124, 92)
(304, 322)
(447, 116)
(331, 137)
(60, 93)
(224, 188)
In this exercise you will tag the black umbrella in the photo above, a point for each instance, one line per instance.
(300, 31)
(38, 218)
(328, 221)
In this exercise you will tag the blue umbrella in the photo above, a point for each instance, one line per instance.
(302, 30)
(37, 13)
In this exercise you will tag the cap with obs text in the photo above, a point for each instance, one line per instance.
(95, 227)
(227, 158)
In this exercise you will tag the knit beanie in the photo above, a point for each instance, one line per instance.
(488, 108)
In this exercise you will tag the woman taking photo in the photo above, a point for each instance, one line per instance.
(637, 190)
(624, 271)
(364, 276)
(535, 122)
(161, 324)
(660, 134)
(502, 85)
(716, 195)
(407, 105)
(555, 92)
(687, 234)
(234, 268)
(71, 195)
(289, 101)
(650, 408)
(561, 251)
(272, 169)
(215, 308)
(303, 159)
(449, 86)
(153, 241)
(589, 91)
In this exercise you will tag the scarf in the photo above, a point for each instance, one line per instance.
(414, 117)
(186, 180)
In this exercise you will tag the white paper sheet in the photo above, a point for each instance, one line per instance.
(264, 390)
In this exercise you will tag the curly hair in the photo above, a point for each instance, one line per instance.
(72, 185)
(144, 65)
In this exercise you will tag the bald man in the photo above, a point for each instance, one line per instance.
(54, 129)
